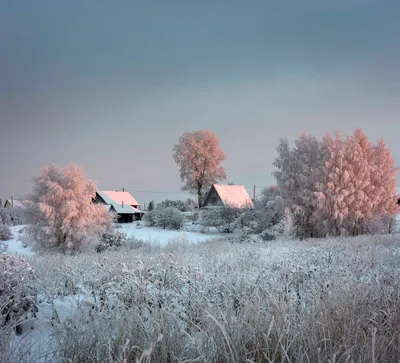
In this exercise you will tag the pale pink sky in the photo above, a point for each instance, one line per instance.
(111, 87)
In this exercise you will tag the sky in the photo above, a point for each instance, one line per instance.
(111, 85)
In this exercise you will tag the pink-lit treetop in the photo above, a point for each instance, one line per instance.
(199, 158)
(337, 186)
(60, 211)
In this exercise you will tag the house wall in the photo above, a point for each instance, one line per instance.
(212, 199)
(125, 218)
(98, 200)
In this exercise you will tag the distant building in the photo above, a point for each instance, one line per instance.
(16, 210)
(221, 195)
(8, 204)
(121, 203)
(13, 203)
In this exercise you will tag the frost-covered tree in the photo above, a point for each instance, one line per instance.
(190, 204)
(5, 231)
(360, 186)
(337, 186)
(299, 170)
(199, 158)
(178, 204)
(5, 215)
(150, 207)
(60, 211)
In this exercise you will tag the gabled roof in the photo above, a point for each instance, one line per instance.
(7, 204)
(234, 195)
(113, 197)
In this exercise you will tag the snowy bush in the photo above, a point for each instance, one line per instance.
(149, 218)
(12, 215)
(18, 215)
(284, 230)
(111, 240)
(5, 215)
(60, 211)
(177, 204)
(165, 217)
(3, 246)
(134, 243)
(17, 290)
(225, 219)
(5, 232)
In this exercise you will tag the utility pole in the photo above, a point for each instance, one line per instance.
(13, 210)
(254, 193)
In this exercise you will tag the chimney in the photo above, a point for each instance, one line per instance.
(123, 189)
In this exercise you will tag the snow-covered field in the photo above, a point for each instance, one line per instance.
(155, 235)
(213, 300)
(37, 332)
(163, 236)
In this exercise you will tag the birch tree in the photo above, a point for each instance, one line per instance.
(60, 211)
(199, 157)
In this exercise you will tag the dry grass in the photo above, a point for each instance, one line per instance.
(331, 300)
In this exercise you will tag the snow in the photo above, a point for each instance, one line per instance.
(163, 236)
(152, 234)
(234, 195)
(113, 197)
(15, 246)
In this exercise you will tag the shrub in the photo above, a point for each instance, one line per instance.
(111, 240)
(224, 219)
(5, 216)
(166, 217)
(17, 290)
(3, 247)
(5, 232)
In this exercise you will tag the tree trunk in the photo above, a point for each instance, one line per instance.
(199, 199)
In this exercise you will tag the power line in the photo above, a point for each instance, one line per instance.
(171, 192)
(149, 191)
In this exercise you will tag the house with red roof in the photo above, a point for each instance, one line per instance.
(120, 202)
(221, 195)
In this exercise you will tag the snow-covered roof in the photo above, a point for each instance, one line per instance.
(125, 209)
(113, 197)
(234, 195)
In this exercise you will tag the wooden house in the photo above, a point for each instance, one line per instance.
(122, 203)
(221, 195)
